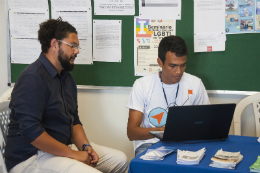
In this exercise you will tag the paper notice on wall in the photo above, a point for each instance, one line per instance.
(160, 9)
(71, 4)
(24, 50)
(209, 42)
(81, 20)
(209, 25)
(25, 23)
(32, 4)
(107, 36)
(85, 52)
(114, 7)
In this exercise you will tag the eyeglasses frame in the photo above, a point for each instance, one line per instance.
(72, 46)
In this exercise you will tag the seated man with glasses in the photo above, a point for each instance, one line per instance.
(152, 95)
(44, 118)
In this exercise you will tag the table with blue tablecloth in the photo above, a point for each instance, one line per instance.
(248, 147)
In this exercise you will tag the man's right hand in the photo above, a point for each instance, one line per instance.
(161, 128)
(134, 131)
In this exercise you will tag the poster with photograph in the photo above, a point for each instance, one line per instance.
(148, 34)
(242, 16)
(257, 18)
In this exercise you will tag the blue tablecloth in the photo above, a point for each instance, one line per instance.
(248, 147)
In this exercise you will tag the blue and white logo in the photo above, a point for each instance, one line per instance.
(157, 117)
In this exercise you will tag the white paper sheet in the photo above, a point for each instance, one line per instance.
(147, 36)
(24, 50)
(25, 23)
(160, 9)
(209, 16)
(209, 25)
(35, 4)
(208, 42)
(107, 40)
(85, 52)
(70, 4)
(114, 7)
(81, 20)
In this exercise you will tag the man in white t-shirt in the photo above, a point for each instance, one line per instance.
(152, 95)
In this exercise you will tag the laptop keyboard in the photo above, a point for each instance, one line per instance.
(160, 135)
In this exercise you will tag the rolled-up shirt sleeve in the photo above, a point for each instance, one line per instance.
(76, 118)
(29, 100)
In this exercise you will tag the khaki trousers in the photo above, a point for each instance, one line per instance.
(110, 161)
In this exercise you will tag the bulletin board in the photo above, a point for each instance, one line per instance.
(236, 68)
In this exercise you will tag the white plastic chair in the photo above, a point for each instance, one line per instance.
(4, 120)
(253, 99)
(6, 95)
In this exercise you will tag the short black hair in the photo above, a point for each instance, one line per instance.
(172, 43)
(53, 28)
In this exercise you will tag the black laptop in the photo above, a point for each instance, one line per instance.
(197, 122)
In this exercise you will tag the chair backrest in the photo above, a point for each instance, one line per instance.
(4, 117)
(6, 95)
(4, 121)
(253, 99)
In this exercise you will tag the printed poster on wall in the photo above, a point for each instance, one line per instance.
(209, 25)
(114, 7)
(242, 16)
(148, 34)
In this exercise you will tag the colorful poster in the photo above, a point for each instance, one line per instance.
(148, 34)
(242, 16)
(257, 16)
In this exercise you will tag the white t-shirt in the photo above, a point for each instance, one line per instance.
(147, 96)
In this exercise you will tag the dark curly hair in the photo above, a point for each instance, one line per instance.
(172, 43)
(53, 28)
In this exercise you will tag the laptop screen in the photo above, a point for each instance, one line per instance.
(198, 122)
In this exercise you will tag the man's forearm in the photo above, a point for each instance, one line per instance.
(50, 145)
(79, 137)
(141, 133)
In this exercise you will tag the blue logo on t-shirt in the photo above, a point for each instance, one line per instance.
(157, 117)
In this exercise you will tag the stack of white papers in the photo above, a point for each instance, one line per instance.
(158, 153)
(224, 159)
(190, 157)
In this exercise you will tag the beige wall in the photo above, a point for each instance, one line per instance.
(105, 117)
(3, 49)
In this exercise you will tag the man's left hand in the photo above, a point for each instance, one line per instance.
(93, 154)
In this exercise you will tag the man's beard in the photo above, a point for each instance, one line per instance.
(65, 60)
